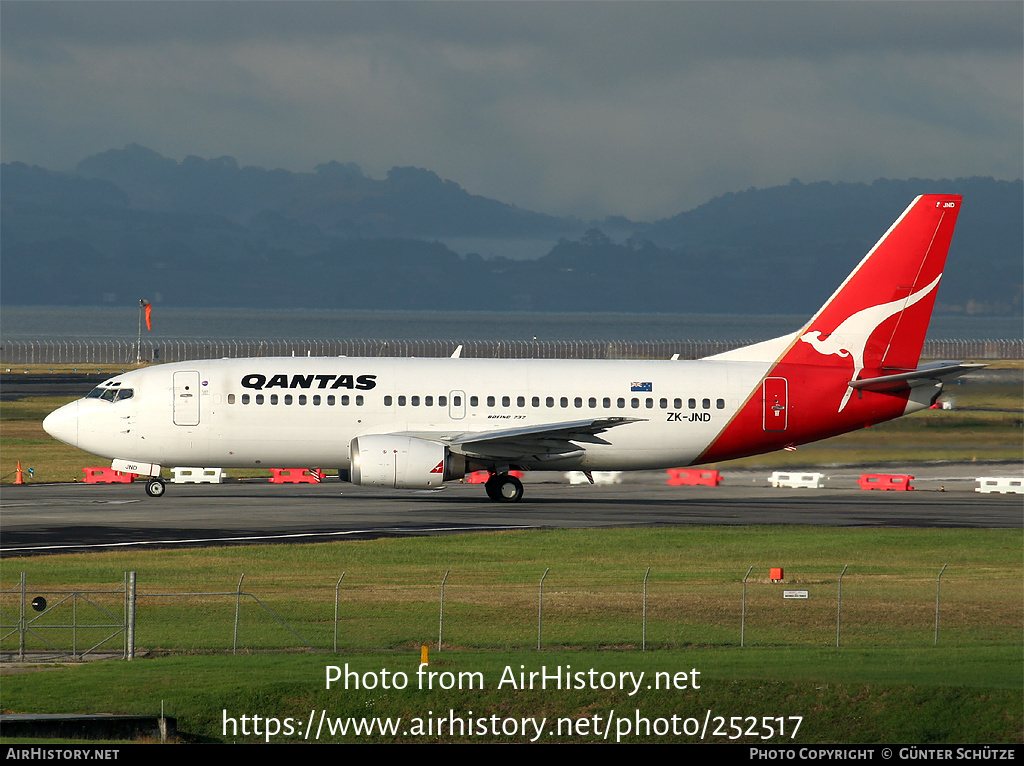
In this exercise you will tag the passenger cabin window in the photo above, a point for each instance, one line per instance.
(245, 398)
(720, 403)
(706, 404)
(231, 398)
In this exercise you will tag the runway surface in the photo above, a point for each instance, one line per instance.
(61, 518)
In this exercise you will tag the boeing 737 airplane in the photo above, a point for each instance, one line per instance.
(415, 423)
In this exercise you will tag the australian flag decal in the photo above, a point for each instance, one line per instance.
(645, 386)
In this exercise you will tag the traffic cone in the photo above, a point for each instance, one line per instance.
(17, 475)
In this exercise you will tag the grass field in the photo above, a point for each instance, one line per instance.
(888, 682)
(838, 697)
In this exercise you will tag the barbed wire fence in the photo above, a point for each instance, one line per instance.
(171, 350)
(562, 608)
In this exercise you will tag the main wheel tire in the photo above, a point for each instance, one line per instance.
(503, 488)
(491, 487)
(155, 487)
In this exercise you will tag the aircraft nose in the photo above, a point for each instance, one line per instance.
(62, 424)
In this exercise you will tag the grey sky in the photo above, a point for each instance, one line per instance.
(634, 108)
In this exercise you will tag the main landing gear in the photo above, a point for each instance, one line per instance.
(155, 487)
(503, 488)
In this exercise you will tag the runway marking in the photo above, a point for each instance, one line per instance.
(254, 538)
(68, 502)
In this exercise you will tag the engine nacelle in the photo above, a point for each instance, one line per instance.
(402, 462)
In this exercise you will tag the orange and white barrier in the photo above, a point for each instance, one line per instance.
(481, 477)
(296, 476)
(107, 476)
(897, 481)
(807, 480)
(197, 475)
(988, 484)
(678, 477)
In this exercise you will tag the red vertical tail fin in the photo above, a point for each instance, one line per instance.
(866, 338)
(878, 318)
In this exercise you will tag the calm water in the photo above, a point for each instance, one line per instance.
(103, 323)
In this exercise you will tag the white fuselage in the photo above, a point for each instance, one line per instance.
(276, 412)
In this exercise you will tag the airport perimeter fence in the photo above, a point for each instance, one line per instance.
(129, 352)
(561, 608)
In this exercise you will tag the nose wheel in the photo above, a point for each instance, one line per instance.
(155, 487)
(502, 488)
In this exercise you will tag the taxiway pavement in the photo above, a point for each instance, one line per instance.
(60, 518)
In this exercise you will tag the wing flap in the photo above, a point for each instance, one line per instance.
(550, 439)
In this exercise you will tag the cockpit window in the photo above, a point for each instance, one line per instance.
(110, 394)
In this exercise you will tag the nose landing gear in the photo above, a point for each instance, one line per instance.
(155, 487)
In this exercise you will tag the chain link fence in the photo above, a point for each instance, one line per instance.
(128, 352)
(630, 610)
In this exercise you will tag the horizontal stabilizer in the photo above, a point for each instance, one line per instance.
(933, 372)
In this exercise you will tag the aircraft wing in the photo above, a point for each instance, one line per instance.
(934, 372)
(551, 440)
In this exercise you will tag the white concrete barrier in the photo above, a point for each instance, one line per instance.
(809, 480)
(988, 484)
(600, 477)
(197, 475)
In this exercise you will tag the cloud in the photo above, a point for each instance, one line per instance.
(639, 109)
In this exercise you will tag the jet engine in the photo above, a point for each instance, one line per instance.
(403, 462)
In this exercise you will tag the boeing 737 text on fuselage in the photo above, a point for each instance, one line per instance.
(415, 423)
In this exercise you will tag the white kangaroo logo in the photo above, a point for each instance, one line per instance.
(851, 336)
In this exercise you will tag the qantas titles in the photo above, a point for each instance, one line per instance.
(259, 382)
